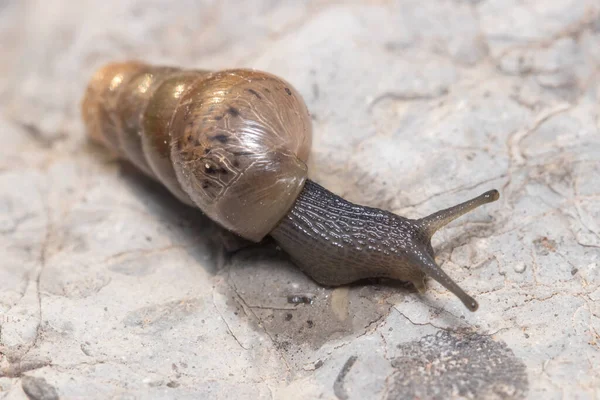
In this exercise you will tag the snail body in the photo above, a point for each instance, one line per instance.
(235, 143)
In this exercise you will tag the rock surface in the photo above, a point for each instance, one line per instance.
(109, 288)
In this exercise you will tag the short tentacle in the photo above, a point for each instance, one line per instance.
(437, 220)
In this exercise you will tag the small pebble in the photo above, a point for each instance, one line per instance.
(300, 299)
(520, 267)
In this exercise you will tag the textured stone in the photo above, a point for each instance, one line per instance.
(111, 288)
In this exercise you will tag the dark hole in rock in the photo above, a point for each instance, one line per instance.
(457, 365)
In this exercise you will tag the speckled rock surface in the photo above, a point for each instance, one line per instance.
(109, 288)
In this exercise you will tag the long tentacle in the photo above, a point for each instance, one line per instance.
(428, 265)
(435, 221)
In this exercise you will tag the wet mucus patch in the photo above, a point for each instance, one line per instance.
(453, 365)
(295, 312)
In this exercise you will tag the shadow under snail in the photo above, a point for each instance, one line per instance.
(234, 143)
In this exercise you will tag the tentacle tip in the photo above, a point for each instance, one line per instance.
(471, 304)
(492, 195)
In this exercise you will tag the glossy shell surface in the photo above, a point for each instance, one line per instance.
(234, 143)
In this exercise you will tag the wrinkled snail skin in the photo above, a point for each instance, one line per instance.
(337, 242)
(235, 143)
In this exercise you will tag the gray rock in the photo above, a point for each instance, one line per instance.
(111, 288)
(38, 388)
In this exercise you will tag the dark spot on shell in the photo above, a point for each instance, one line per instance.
(254, 92)
(288, 91)
(218, 117)
(234, 112)
(206, 184)
(310, 323)
(207, 150)
(236, 163)
(209, 169)
(267, 90)
(277, 157)
(221, 138)
(288, 317)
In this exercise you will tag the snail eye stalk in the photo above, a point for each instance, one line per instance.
(432, 223)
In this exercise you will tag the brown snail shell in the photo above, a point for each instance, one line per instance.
(234, 143)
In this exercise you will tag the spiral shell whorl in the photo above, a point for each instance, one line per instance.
(100, 102)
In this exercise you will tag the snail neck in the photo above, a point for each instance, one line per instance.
(337, 242)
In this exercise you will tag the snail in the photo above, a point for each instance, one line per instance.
(235, 143)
